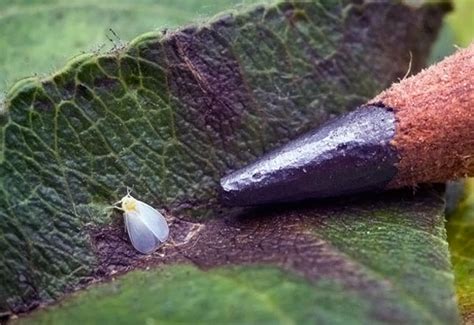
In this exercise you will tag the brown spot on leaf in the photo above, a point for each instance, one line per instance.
(212, 89)
(286, 236)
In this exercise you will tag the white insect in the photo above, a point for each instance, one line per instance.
(146, 227)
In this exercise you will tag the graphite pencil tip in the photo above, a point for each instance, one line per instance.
(347, 155)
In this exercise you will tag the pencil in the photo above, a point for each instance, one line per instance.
(420, 130)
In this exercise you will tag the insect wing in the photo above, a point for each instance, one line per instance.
(142, 238)
(154, 220)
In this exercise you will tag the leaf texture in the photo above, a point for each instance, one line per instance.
(169, 115)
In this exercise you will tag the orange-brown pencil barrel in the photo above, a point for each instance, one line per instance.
(434, 132)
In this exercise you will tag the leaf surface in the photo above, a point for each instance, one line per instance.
(169, 115)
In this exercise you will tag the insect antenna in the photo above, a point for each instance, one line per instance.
(115, 34)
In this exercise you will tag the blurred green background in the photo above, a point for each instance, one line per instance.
(39, 36)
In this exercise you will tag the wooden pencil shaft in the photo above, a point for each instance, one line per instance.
(434, 121)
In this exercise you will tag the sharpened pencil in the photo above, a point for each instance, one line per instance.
(420, 130)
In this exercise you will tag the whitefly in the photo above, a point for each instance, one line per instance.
(146, 227)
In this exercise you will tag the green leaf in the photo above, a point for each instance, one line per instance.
(169, 115)
(183, 294)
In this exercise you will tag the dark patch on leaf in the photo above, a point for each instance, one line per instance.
(293, 238)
